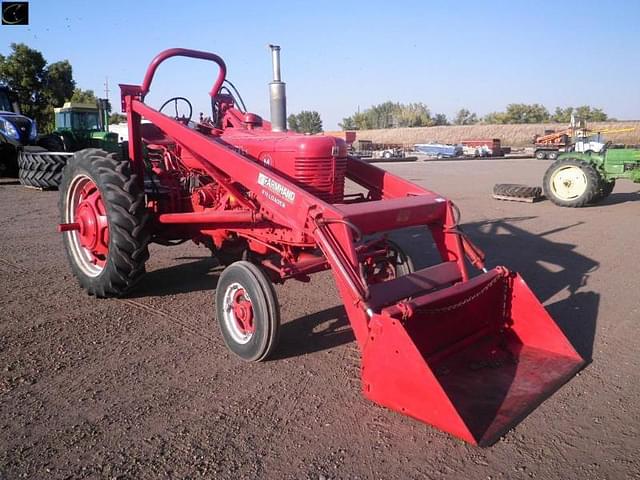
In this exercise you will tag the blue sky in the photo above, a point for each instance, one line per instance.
(338, 56)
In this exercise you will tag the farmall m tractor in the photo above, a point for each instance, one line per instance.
(471, 352)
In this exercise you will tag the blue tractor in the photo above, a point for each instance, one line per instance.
(16, 131)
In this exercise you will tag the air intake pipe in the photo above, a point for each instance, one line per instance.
(277, 94)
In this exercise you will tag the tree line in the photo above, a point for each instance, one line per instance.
(41, 86)
(395, 115)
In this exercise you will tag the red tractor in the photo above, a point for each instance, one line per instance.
(469, 352)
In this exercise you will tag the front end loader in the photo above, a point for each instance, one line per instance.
(467, 349)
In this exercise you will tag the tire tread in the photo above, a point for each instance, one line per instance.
(128, 220)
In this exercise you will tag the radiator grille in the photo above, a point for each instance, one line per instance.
(323, 177)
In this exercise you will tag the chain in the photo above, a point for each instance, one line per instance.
(465, 301)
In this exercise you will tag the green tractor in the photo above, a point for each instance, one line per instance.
(82, 125)
(77, 126)
(577, 179)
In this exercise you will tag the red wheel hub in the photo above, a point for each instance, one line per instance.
(243, 311)
(91, 218)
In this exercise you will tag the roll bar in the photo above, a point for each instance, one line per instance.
(184, 52)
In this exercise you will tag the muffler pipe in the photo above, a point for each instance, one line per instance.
(277, 94)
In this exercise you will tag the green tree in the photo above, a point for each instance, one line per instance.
(117, 118)
(60, 82)
(389, 115)
(38, 87)
(562, 115)
(348, 123)
(440, 119)
(83, 96)
(412, 115)
(524, 113)
(520, 113)
(305, 122)
(24, 71)
(465, 117)
(590, 114)
(495, 118)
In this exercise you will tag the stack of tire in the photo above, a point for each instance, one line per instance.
(41, 166)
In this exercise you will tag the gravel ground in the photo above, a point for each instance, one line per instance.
(143, 387)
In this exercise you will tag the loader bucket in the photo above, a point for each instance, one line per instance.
(472, 359)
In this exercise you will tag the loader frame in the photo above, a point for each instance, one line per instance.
(392, 202)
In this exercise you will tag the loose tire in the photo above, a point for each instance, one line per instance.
(104, 211)
(516, 190)
(570, 182)
(248, 312)
(39, 168)
(541, 154)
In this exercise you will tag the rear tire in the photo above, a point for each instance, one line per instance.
(570, 182)
(541, 154)
(248, 312)
(39, 168)
(121, 213)
(552, 155)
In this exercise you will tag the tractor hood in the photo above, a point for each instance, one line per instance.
(16, 128)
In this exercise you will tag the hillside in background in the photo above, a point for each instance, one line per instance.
(519, 135)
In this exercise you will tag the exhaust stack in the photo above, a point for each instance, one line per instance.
(277, 94)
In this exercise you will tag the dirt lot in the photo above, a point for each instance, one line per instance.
(143, 387)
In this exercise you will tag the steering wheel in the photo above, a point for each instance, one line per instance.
(175, 101)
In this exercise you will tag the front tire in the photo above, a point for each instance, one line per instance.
(248, 312)
(106, 219)
(570, 182)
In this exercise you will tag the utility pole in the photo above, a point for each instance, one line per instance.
(106, 87)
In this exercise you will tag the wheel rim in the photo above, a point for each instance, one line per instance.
(569, 182)
(238, 314)
(89, 243)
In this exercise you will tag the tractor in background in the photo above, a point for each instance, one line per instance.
(82, 125)
(576, 179)
(77, 126)
(16, 131)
